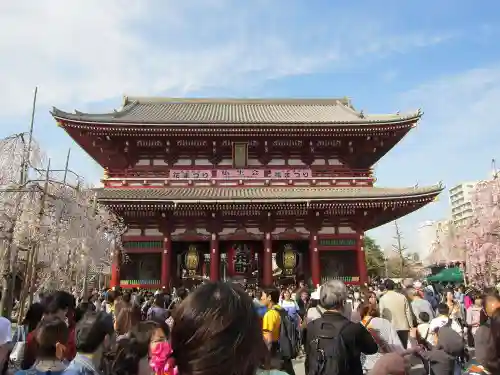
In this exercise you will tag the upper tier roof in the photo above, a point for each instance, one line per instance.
(158, 111)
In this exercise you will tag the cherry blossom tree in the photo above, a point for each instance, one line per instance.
(448, 246)
(17, 152)
(15, 156)
(76, 235)
(477, 242)
(481, 235)
(52, 230)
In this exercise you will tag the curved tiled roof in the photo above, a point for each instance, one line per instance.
(263, 194)
(160, 111)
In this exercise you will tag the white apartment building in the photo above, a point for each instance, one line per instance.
(461, 202)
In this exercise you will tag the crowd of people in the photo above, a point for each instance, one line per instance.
(437, 324)
(226, 328)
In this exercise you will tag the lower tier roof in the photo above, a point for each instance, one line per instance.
(263, 194)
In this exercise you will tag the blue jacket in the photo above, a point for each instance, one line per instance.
(81, 365)
(260, 308)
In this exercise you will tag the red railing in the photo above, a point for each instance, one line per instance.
(163, 174)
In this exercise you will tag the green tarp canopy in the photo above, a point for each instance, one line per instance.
(448, 275)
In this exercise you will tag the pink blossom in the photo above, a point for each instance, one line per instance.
(478, 242)
(482, 234)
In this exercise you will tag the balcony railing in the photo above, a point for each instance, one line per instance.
(142, 245)
(346, 279)
(140, 282)
(156, 175)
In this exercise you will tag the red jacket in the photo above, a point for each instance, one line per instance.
(31, 348)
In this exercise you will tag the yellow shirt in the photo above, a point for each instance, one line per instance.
(271, 323)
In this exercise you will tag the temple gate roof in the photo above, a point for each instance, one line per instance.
(263, 194)
(151, 111)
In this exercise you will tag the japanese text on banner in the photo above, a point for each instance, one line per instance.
(244, 174)
(240, 173)
(289, 173)
(190, 174)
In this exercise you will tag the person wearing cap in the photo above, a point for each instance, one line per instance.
(91, 334)
(417, 285)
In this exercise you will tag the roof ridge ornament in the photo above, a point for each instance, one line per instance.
(347, 102)
(125, 109)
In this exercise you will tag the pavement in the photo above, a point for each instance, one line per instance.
(417, 367)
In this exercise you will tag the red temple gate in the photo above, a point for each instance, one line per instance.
(249, 188)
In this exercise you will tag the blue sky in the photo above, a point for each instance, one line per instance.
(441, 56)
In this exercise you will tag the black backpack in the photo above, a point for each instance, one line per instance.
(289, 341)
(327, 350)
(464, 357)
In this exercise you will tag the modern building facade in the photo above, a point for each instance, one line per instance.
(462, 206)
(211, 188)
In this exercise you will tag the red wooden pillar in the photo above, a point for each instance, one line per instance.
(214, 257)
(267, 261)
(166, 262)
(314, 259)
(115, 268)
(362, 270)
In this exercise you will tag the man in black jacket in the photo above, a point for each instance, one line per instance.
(355, 337)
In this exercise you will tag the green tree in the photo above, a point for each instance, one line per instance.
(375, 260)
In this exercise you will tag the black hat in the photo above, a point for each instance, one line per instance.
(91, 331)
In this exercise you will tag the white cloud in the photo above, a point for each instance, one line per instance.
(460, 121)
(454, 142)
(91, 50)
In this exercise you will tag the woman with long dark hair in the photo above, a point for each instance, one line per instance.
(217, 331)
(127, 319)
(130, 354)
